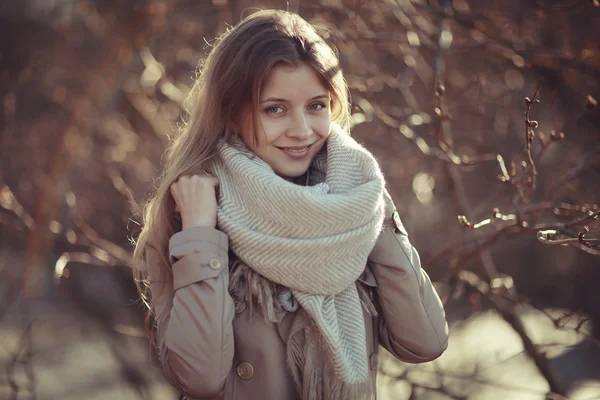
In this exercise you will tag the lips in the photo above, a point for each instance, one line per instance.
(295, 151)
(294, 148)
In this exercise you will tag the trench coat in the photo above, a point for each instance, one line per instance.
(211, 348)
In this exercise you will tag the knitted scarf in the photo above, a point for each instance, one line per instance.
(313, 239)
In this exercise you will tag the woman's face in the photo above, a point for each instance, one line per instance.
(294, 120)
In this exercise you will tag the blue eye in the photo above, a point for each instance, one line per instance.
(273, 110)
(319, 106)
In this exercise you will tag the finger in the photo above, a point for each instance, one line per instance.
(209, 179)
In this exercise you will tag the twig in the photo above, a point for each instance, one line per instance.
(529, 136)
(559, 324)
(8, 201)
(472, 378)
(23, 352)
(550, 236)
(510, 315)
(547, 233)
(446, 155)
(114, 250)
(123, 188)
(63, 157)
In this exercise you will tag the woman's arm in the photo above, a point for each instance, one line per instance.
(194, 311)
(413, 327)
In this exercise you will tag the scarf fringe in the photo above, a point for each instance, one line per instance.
(247, 285)
(342, 211)
(310, 366)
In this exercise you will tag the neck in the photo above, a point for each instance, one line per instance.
(301, 180)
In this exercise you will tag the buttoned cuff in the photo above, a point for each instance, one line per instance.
(198, 254)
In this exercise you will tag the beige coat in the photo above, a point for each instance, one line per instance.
(210, 350)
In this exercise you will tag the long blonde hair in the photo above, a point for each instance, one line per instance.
(229, 79)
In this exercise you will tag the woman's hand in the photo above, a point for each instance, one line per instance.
(196, 200)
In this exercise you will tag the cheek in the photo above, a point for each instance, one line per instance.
(270, 129)
(256, 138)
(324, 125)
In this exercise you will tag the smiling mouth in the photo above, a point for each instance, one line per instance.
(295, 151)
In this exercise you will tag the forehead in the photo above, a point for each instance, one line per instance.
(290, 83)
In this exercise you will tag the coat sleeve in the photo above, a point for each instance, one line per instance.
(413, 326)
(194, 311)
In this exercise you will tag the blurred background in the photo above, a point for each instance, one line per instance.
(483, 115)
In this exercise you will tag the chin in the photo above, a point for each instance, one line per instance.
(291, 170)
(295, 173)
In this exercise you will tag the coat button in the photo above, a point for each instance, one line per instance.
(245, 370)
(215, 264)
(374, 361)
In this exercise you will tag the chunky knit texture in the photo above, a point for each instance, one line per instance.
(314, 240)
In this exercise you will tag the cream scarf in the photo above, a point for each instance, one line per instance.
(314, 239)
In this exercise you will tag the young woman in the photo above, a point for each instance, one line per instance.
(272, 257)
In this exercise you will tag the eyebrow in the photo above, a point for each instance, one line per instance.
(277, 99)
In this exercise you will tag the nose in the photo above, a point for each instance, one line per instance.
(300, 127)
